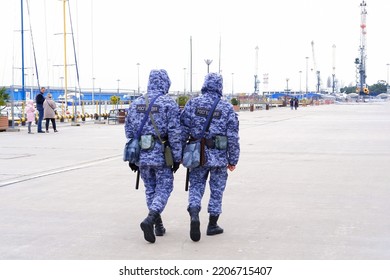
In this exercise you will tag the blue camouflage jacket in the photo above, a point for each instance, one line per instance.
(166, 115)
(224, 122)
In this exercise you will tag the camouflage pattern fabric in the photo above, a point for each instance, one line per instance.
(166, 115)
(157, 177)
(224, 122)
(158, 186)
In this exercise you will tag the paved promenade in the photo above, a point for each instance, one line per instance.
(311, 184)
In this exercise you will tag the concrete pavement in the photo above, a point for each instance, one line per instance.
(310, 184)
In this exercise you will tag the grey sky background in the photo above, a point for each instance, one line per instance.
(111, 37)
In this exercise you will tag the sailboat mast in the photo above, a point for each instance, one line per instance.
(22, 33)
(65, 63)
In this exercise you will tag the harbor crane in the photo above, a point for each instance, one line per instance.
(317, 72)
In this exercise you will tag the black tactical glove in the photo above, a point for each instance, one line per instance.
(133, 167)
(175, 166)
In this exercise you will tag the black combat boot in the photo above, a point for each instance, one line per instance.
(213, 228)
(195, 223)
(159, 228)
(147, 226)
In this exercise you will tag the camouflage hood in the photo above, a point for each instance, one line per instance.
(213, 84)
(159, 81)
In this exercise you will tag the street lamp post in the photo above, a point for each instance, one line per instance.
(287, 90)
(287, 79)
(138, 76)
(300, 82)
(208, 62)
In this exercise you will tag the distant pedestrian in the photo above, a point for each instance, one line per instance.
(164, 129)
(292, 103)
(49, 107)
(30, 111)
(39, 99)
(296, 103)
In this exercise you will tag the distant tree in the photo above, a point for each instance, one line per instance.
(115, 99)
(348, 90)
(378, 88)
(182, 100)
(374, 89)
(234, 101)
(4, 96)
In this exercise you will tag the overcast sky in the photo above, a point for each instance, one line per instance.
(111, 37)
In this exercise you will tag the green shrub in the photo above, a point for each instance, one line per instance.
(234, 101)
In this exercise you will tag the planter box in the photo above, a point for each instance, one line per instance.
(3, 123)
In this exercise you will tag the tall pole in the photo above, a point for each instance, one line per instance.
(256, 69)
(287, 90)
(363, 33)
(22, 34)
(92, 57)
(307, 75)
(65, 62)
(300, 82)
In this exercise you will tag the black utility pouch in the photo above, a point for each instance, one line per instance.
(210, 143)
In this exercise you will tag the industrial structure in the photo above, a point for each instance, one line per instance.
(316, 71)
(361, 74)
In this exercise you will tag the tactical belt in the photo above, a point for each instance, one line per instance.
(210, 143)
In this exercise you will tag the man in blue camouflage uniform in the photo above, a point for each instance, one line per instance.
(156, 175)
(223, 123)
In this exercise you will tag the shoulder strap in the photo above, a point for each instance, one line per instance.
(153, 122)
(146, 116)
(210, 115)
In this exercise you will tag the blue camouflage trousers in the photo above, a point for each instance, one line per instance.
(198, 177)
(158, 183)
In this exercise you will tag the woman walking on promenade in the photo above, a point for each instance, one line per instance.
(49, 107)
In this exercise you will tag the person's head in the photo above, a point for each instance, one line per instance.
(43, 90)
(49, 95)
(213, 83)
(159, 81)
(30, 103)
